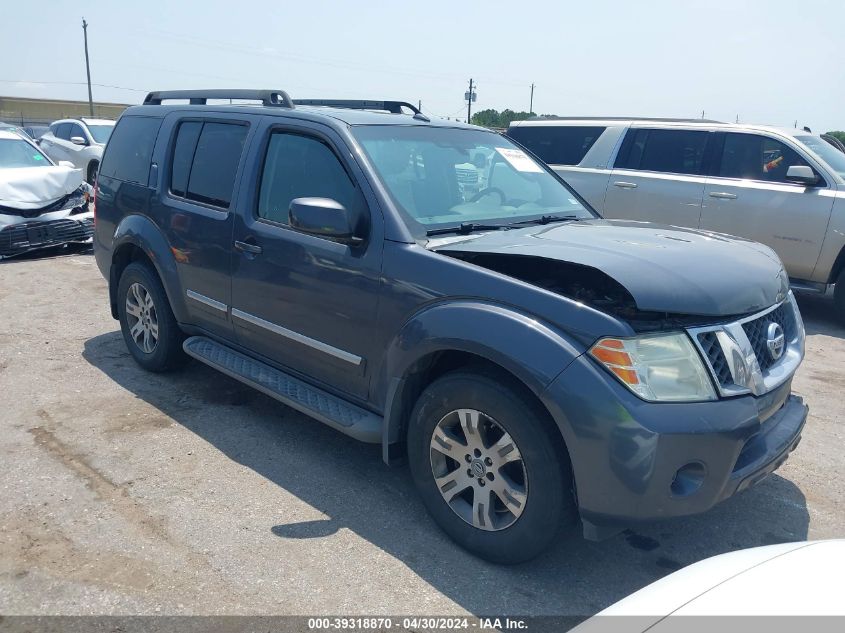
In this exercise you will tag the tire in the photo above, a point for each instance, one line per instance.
(156, 344)
(539, 483)
(91, 176)
(839, 296)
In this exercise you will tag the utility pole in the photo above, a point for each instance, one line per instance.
(469, 97)
(88, 67)
(531, 107)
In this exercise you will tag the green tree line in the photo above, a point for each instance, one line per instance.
(494, 118)
(839, 135)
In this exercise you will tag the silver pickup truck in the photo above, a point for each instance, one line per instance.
(782, 187)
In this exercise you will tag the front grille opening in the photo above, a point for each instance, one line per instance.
(756, 332)
(716, 357)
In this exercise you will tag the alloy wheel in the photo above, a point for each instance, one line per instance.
(478, 469)
(141, 318)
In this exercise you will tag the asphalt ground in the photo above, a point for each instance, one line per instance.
(123, 492)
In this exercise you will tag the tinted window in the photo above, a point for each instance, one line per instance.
(63, 131)
(76, 130)
(669, 151)
(130, 148)
(302, 167)
(183, 155)
(216, 158)
(754, 157)
(557, 145)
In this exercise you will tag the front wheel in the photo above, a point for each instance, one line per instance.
(488, 468)
(91, 176)
(149, 328)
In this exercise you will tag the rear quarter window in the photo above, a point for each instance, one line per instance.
(130, 148)
(558, 145)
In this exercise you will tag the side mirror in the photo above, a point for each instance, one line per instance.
(78, 140)
(67, 163)
(324, 217)
(802, 175)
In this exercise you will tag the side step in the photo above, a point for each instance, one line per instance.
(336, 412)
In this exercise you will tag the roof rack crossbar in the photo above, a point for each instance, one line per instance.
(394, 107)
(277, 98)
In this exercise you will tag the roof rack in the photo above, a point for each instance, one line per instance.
(394, 107)
(277, 98)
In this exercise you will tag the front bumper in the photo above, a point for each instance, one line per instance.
(637, 461)
(35, 234)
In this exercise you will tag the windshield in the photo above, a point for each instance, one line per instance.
(442, 177)
(101, 133)
(827, 152)
(19, 153)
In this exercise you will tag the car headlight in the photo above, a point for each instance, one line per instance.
(657, 367)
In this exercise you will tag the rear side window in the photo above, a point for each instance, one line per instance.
(755, 157)
(668, 151)
(557, 145)
(302, 167)
(205, 161)
(130, 149)
(63, 131)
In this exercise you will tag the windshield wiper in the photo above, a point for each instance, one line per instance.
(465, 228)
(546, 219)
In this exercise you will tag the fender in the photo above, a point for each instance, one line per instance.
(529, 349)
(140, 231)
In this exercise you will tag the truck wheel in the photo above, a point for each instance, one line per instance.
(839, 295)
(149, 328)
(488, 468)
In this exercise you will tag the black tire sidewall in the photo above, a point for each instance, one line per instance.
(550, 504)
(168, 350)
(839, 296)
(91, 174)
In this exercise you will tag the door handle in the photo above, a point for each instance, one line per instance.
(724, 195)
(625, 185)
(246, 247)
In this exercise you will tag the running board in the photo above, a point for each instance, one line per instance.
(339, 414)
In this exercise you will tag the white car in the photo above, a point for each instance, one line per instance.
(80, 141)
(790, 579)
(42, 203)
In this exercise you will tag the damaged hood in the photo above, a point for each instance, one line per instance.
(664, 268)
(28, 188)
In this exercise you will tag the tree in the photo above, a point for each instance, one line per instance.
(839, 135)
(496, 119)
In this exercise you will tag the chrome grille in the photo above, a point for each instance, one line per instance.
(467, 176)
(738, 356)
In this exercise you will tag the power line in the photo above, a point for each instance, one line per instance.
(68, 83)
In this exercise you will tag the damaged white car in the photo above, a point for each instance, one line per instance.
(42, 204)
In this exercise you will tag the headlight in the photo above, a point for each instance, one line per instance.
(662, 367)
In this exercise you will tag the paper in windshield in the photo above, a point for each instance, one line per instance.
(519, 160)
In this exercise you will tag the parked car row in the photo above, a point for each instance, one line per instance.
(432, 287)
(781, 187)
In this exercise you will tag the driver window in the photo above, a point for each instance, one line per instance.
(755, 157)
(299, 166)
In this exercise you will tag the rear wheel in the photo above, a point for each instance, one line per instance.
(149, 328)
(488, 468)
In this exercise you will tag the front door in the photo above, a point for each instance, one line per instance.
(658, 177)
(749, 196)
(305, 302)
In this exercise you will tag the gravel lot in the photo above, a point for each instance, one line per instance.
(124, 492)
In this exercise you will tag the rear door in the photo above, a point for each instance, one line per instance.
(74, 151)
(658, 176)
(748, 195)
(202, 162)
(55, 145)
(578, 152)
(305, 302)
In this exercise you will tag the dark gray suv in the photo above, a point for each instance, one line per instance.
(432, 287)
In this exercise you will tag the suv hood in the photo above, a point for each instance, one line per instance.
(664, 268)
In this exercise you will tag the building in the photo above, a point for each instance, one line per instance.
(26, 111)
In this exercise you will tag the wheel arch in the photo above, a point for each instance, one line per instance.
(490, 338)
(138, 239)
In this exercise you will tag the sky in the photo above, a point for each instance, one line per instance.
(773, 61)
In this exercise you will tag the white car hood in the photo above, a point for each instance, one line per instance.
(803, 578)
(36, 187)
